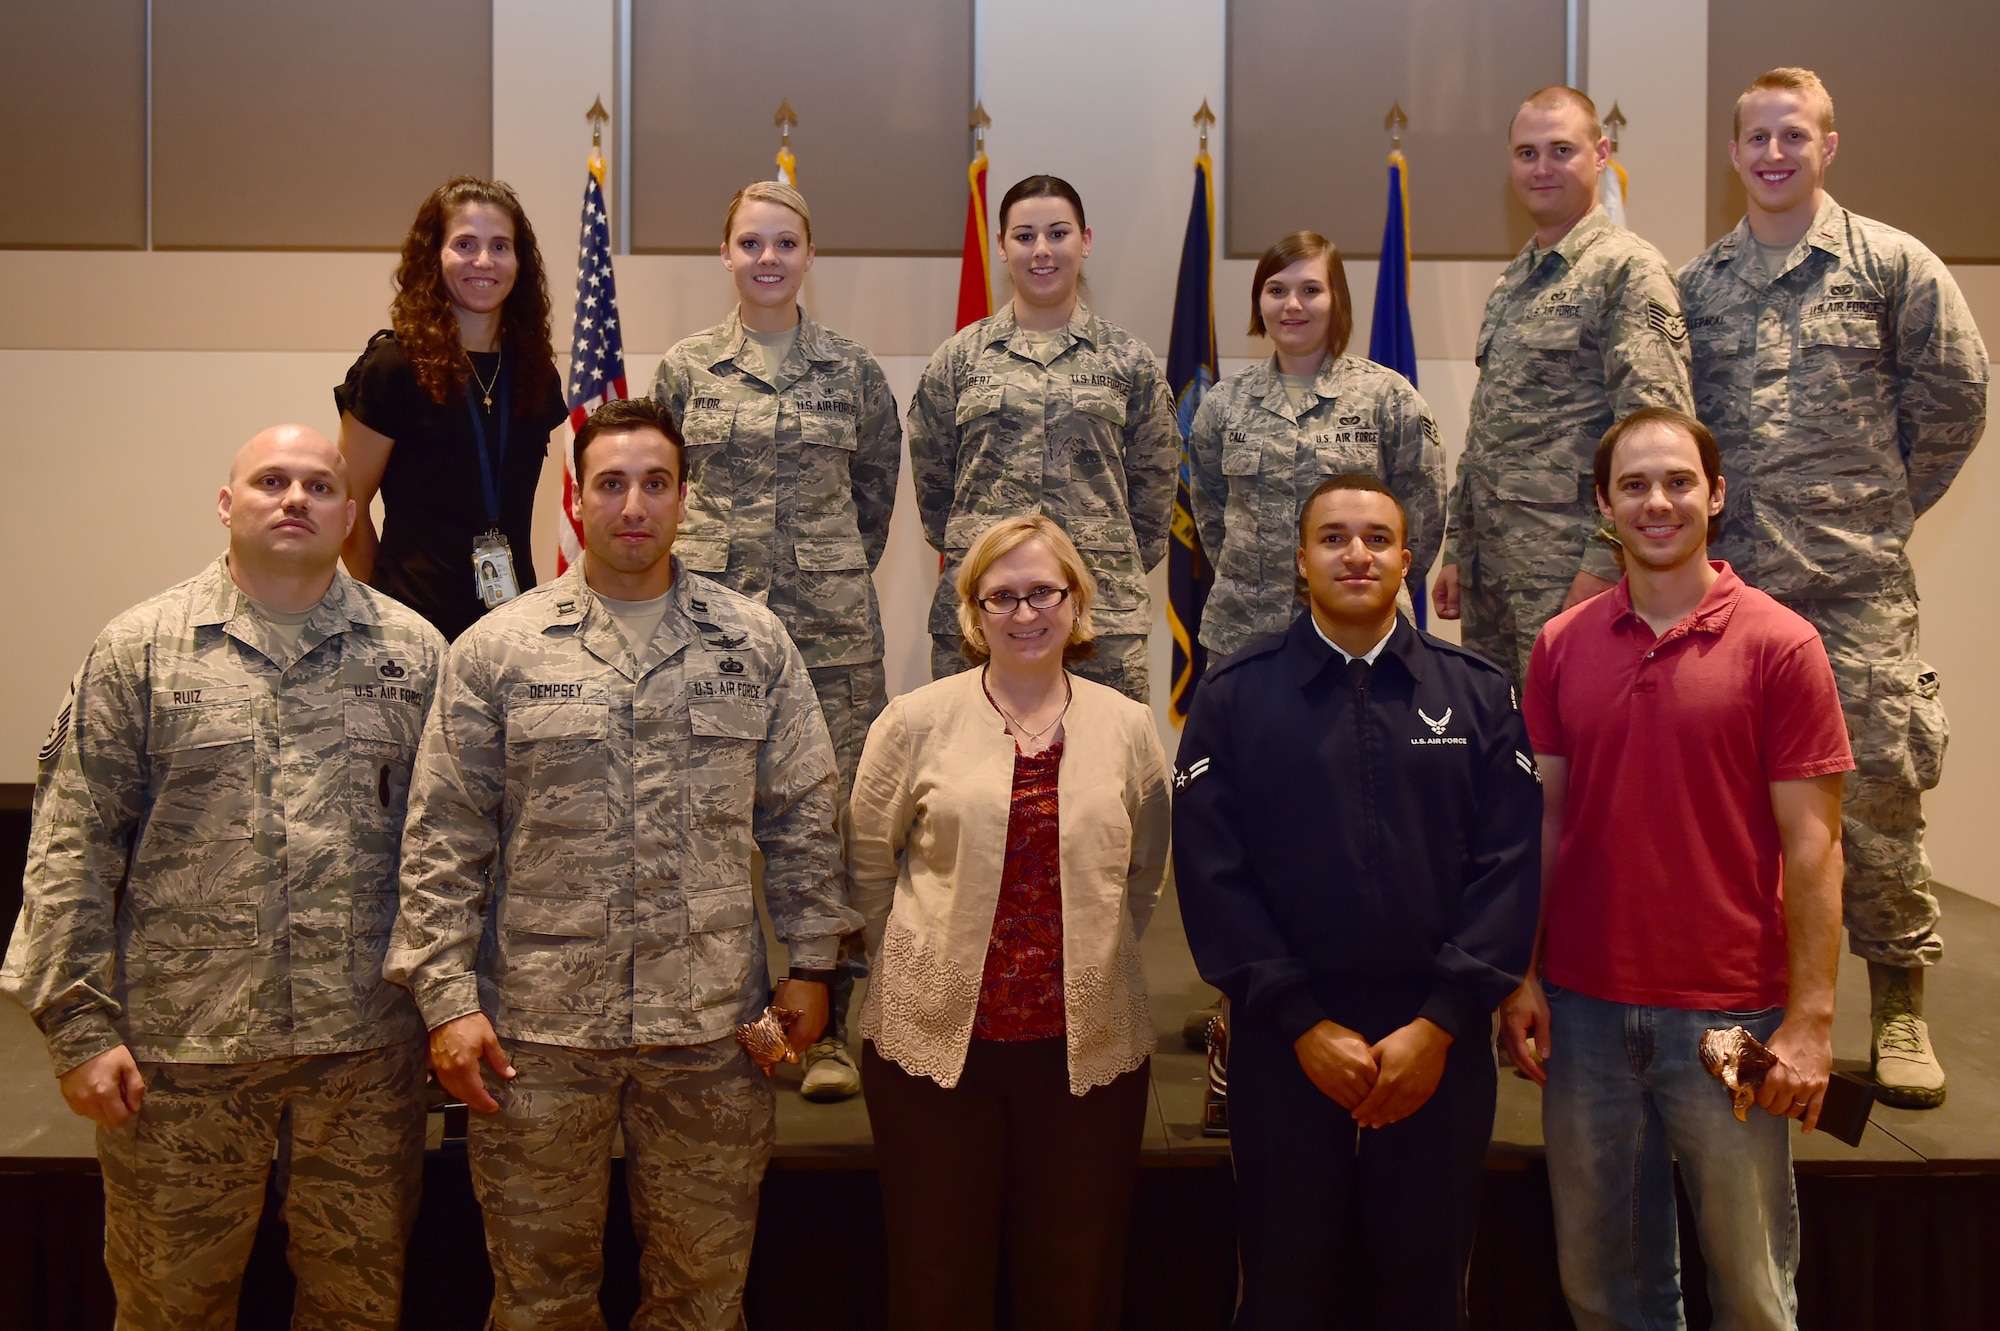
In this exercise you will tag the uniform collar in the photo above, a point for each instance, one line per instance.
(1262, 382)
(571, 604)
(1571, 247)
(1825, 233)
(1710, 617)
(1002, 326)
(731, 338)
(219, 601)
(1308, 655)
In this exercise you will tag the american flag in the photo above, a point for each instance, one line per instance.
(597, 348)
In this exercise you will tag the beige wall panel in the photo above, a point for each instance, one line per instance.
(1644, 58)
(301, 126)
(1307, 142)
(73, 124)
(882, 89)
(1913, 87)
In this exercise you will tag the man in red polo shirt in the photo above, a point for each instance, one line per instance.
(1692, 747)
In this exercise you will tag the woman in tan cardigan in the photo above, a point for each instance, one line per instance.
(1010, 839)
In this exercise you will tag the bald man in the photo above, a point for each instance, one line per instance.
(210, 886)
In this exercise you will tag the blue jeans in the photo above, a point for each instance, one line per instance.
(1627, 1096)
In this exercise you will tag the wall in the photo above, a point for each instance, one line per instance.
(127, 380)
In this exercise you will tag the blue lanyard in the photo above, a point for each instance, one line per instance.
(490, 467)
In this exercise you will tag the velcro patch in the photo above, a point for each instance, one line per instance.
(1665, 322)
(59, 732)
(1186, 776)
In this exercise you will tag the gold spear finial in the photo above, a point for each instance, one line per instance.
(597, 116)
(785, 120)
(1395, 122)
(1203, 119)
(1613, 123)
(979, 124)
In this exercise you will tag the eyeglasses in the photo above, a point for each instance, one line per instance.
(1006, 603)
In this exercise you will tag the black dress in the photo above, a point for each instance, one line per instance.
(433, 505)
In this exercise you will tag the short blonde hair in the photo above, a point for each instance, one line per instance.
(1002, 538)
(1789, 78)
(768, 191)
(1554, 98)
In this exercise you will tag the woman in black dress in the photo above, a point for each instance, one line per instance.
(449, 414)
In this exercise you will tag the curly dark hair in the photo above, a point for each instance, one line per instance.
(425, 326)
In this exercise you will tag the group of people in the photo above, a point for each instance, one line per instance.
(291, 849)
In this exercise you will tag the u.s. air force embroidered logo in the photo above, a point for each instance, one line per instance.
(1438, 725)
(1185, 777)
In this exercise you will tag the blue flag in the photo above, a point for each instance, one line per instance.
(1191, 371)
(1390, 342)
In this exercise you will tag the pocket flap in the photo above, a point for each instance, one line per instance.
(1100, 533)
(557, 916)
(1552, 335)
(830, 552)
(221, 924)
(962, 529)
(200, 718)
(1242, 461)
(703, 556)
(1864, 334)
(540, 721)
(1104, 406)
(980, 402)
(368, 722)
(1541, 486)
(708, 424)
(728, 908)
(730, 718)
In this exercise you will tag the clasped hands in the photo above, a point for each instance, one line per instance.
(1378, 1083)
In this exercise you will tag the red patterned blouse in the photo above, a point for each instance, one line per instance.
(1021, 997)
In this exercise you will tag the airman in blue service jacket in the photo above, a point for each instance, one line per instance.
(1359, 843)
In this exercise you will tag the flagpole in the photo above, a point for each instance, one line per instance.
(597, 344)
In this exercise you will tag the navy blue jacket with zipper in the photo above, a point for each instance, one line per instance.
(1360, 850)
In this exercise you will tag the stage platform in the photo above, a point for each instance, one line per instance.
(1902, 1232)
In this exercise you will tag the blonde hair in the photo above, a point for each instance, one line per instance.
(1787, 78)
(1554, 98)
(768, 191)
(1001, 539)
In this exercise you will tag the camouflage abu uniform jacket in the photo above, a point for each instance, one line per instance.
(1254, 460)
(534, 890)
(1573, 339)
(1089, 439)
(1846, 394)
(212, 872)
(791, 480)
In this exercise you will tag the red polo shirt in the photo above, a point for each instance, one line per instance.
(1668, 888)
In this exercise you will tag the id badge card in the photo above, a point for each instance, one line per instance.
(493, 570)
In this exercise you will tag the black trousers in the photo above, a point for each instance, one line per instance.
(1338, 1227)
(1006, 1156)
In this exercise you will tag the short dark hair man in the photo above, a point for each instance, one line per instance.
(209, 889)
(607, 751)
(1690, 737)
(1355, 841)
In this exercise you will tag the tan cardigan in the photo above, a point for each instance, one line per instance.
(926, 850)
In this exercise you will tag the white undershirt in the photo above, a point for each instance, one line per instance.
(1346, 655)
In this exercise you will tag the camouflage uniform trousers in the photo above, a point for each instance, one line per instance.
(1896, 722)
(184, 1184)
(698, 1123)
(850, 698)
(1501, 625)
(1121, 662)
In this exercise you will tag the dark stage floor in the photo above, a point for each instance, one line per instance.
(1902, 1231)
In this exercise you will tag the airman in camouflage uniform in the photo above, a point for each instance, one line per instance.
(1579, 332)
(1254, 460)
(791, 480)
(210, 886)
(577, 867)
(1086, 437)
(1846, 390)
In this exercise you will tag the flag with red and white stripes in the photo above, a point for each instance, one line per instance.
(597, 347)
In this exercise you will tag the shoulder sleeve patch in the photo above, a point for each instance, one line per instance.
(59, 732)
(1431, 430)
(1666, 322)
(1187, 776)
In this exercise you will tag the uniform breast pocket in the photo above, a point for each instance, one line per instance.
(722, 763)
(979, 414)
(1242, 459)
(558, 751)
(1841, 369)
(707, 426)
(1551, 346)
(381, 744)
(1104, 405)
(203, 753)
